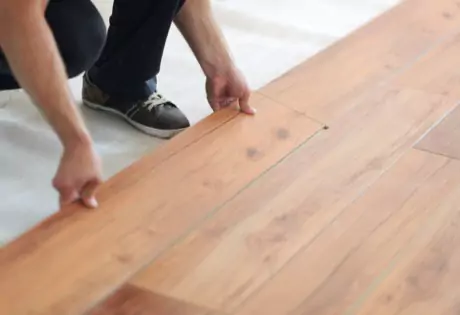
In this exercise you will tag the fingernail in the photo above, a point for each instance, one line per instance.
(93, 203)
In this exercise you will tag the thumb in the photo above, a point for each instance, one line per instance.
(88, 194)
(244, 104)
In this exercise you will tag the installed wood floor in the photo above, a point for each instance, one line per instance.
(342, 196)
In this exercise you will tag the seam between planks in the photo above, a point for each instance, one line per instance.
(436, 124)
(297, 111)
(437, 154)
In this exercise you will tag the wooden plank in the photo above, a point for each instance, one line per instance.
(132, 300)
(234, 253)
(368, 57)
(437, 71)
(424, 278)
(348, 257)
(82, 256)
(444, 139)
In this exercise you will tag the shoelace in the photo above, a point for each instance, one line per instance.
(154, 100)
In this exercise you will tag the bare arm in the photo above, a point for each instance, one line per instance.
(198, 26)
(33, 56)
(32, 53)
(225, 84)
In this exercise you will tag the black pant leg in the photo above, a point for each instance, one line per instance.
(131, 58)
(79, 31)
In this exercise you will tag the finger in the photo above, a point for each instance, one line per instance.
(67, 195)
(228, 102)
(244, 104)
(88, 194)
(215, 105)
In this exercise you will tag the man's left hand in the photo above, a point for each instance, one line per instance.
(228, 88)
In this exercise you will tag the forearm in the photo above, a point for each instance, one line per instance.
(32, 54)
(199, 28)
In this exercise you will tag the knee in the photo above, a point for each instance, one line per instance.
(85, 51)
(79, 31)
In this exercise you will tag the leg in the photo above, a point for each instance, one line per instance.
(133, 52)
(79, 32)
(123, 80)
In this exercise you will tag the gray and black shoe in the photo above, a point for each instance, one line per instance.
(155, 116)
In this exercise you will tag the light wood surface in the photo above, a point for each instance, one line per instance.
(278, 214)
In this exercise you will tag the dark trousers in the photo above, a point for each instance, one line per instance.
(124, 61)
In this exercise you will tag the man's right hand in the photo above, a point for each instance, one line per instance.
(24, 29)
(78, 175)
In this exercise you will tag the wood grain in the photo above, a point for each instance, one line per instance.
(329, 82)
(373, 235)
(85, 255)
(137, 170)
(231, 256)
(338, 267)
(423, 279)
(444, 139)
(132, 300)
(437, 71)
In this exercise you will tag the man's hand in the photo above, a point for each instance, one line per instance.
(78, 176)
(225, 84)
(33, 55)
(228, 88)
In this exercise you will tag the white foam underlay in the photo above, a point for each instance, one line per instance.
(267, 38)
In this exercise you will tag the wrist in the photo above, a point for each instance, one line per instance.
(76, 139)
(217, 67)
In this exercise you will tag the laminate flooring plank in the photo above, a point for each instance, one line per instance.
(350, 257)
(232, 256)
(81, 256)
(326, 86)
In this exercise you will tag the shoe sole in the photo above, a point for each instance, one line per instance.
(158, 133)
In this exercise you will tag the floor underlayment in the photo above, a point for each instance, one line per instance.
(267, 37)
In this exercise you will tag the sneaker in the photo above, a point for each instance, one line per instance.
(155, 116)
